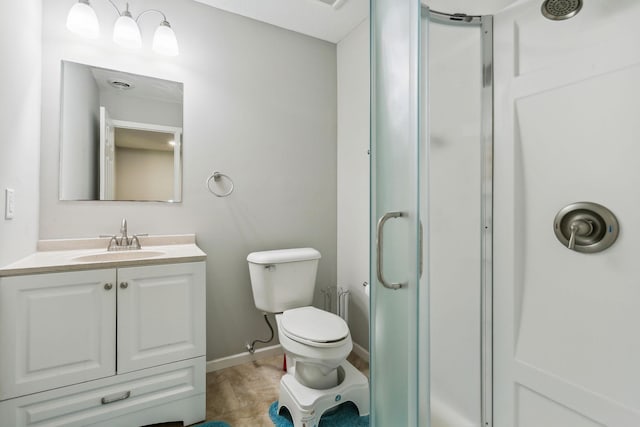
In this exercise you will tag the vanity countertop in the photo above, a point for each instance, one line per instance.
(61, 254)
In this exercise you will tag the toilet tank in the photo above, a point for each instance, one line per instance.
(283, 279)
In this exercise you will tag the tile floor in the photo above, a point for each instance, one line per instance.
(241, 395)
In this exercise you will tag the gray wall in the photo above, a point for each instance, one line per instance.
(259, 105)
(81, 133)
(21, 48)
(353, 176)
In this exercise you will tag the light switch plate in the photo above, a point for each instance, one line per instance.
(9, 203)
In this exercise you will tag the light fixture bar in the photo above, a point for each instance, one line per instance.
(83, 21)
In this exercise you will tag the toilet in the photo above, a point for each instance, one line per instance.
(316, 342)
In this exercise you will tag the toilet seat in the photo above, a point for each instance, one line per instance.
(314, 327)
(314, 364)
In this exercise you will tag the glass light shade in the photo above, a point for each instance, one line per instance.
(126, 32)
(164, 40)
(83, 21)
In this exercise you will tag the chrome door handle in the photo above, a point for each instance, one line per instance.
(379, 257)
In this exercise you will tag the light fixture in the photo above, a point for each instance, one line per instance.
(164, 40)
(82, 20)
(126, 32)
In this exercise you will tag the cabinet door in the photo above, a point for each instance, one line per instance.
(55, 330)
(161, 314)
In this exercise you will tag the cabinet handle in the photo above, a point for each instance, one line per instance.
(108, 286)
(115, 397)
(124, 285)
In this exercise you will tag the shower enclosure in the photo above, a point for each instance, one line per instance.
(431, 216)
(480, 314)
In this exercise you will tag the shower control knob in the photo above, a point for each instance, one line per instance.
(581, 228)
(586, 227)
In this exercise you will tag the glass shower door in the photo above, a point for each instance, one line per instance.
(399, 337)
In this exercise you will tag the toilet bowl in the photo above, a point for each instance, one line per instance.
(317, 342)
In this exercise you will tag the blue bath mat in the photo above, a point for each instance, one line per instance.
(213, 424)
(345, 416)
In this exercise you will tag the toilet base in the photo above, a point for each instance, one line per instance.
(306, 405)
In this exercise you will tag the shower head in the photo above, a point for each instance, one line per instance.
(557, 10)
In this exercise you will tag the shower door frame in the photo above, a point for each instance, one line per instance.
(486, 215)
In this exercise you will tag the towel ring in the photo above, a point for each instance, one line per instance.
(216, 176)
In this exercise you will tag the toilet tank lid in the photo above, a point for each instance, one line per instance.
(283, 255)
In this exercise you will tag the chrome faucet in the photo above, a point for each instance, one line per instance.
(124, 241)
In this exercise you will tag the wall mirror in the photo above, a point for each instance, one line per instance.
(120, 136)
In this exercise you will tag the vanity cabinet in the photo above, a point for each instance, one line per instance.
(119, 346)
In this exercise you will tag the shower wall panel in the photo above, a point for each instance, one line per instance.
(455, 113)
(567, 130)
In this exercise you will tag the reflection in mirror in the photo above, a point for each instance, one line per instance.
(121, 136)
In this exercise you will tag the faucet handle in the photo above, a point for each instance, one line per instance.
(113, 242)
(136, 242)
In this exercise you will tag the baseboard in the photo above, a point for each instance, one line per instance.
(360, 351)
(240, 358)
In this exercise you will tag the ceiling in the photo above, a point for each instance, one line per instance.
(311, 17)
(318, 19)
(139, 86)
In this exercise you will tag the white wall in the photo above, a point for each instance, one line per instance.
(566, 345)
(353, 176)
(81, 133)
(143, 110)
(260, 106)
(21, 48)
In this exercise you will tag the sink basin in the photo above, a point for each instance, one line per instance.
(118, 256)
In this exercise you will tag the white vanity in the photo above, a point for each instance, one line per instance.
(89, 337)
